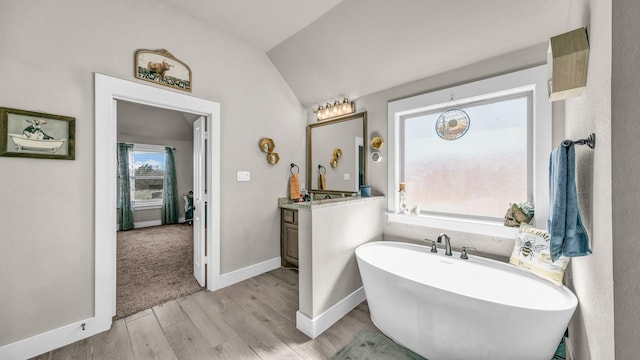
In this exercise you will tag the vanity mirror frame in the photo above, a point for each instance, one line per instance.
(310, 168)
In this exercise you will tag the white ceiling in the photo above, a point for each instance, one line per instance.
(326, 49)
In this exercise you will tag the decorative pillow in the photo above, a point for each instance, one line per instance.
(531, 252)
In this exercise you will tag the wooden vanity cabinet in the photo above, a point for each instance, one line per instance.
(289, 237)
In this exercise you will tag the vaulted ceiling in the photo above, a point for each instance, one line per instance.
(326, 49)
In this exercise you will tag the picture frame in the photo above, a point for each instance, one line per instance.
(33, 134)
(161, 67)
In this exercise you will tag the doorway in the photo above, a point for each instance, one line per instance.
(109, 90)
(155, 247)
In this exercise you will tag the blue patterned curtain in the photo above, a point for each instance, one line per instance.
(125, 210)
(170, 194)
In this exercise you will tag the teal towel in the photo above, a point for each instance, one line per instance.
(568, 235)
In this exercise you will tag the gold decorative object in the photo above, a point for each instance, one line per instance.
(267, 145)
(568, 62)
(335, 158)
(273, 158)
(337, 109)
(377, 143)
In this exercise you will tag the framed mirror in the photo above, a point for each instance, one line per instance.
(337, 154)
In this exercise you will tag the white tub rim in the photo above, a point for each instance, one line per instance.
(571, 303)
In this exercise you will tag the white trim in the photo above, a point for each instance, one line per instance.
(149, 148)
(314, 327)
(47, 341)
(533, 78)
(248, 272)
(490, 228)
(144, 224)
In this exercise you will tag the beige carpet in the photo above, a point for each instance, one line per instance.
(154, 265)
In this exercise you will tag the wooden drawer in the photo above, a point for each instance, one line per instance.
(289, 216)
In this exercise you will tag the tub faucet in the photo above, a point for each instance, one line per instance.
(447, 243)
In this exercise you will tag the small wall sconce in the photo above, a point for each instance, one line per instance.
(273, 158)
(337, 109)
(377, 143)
(267, 146)
(337, 154)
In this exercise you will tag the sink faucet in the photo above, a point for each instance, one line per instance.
(447, 243)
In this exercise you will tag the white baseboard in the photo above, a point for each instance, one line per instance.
(314, 327)
(53, 339)
(143, 224)
(236, 276)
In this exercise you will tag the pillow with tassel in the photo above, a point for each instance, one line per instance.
(531, 252)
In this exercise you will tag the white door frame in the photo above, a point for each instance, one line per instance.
(107, 91)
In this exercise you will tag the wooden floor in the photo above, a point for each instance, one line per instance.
(254, 319)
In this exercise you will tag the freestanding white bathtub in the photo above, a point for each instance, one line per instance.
(443, 307)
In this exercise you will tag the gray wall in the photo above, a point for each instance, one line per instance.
(625, 132)
(591, 334)
(376, 106)
(591, 277)
(46, 232)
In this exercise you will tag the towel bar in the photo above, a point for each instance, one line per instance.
(590, 141)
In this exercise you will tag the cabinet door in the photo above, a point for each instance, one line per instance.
(290, 239)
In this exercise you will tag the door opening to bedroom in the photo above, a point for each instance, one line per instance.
(161, 205)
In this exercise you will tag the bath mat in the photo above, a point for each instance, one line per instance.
(371, 345)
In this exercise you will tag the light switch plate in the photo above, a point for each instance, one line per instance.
(244, 176)
(347, 177)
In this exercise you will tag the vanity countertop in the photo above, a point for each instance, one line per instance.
(286, 203)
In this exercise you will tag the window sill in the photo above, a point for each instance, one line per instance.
(147, 206)
(481, 227)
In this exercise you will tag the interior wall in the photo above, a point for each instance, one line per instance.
(591, 333)
(376, 107)
(47, 247)
(625, 128)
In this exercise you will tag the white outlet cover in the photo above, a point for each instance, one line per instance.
(244, 176)
(347, 177)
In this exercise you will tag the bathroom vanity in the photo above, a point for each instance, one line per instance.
(328, 232)
(289, 237)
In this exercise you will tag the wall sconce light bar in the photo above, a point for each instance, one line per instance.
(337, 109)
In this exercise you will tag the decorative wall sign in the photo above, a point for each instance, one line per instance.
(452, 124)
(159, 66)
(36, 135)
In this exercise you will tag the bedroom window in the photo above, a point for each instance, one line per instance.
(464, 176)
(147, 175)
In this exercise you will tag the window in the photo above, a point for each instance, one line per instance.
(147, 175)
(475, 175)
(467, 184)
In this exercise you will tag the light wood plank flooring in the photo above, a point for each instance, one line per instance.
(254, 319)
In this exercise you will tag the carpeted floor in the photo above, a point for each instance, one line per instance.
(154, 265)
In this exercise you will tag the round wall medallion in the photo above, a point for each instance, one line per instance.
(452, 124)
(375, 156)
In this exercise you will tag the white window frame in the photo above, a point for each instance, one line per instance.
(145, 204)
(533, 79)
